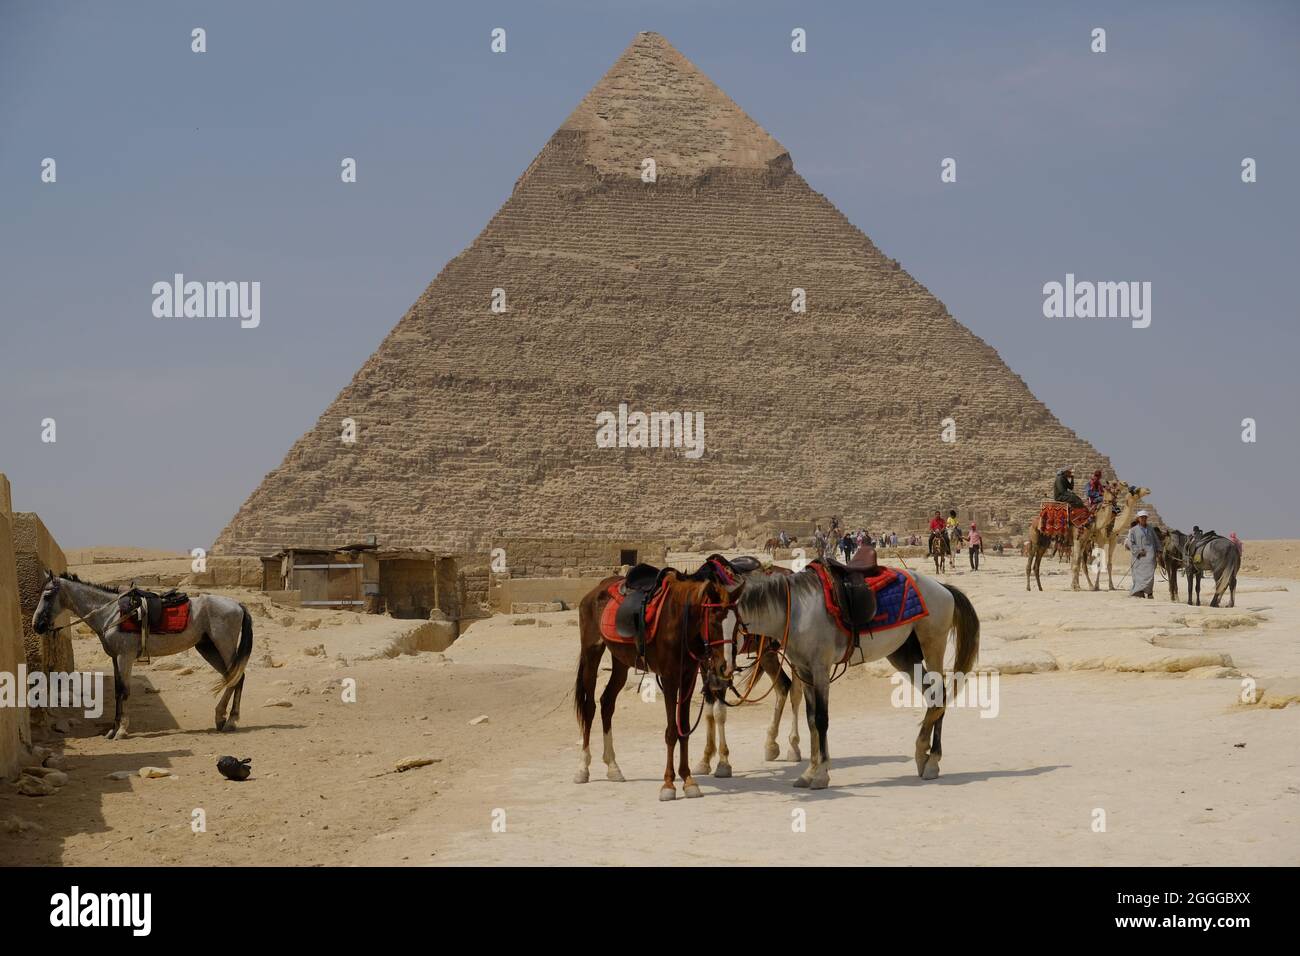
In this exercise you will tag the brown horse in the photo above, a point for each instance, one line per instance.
(940, 550)
(688, 638)
(773, 543)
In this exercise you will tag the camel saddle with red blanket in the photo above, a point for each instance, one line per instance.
(1056, 517)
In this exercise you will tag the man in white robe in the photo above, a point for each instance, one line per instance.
(1143, 545)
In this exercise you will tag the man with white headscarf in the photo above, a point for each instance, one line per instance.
(1143, 545)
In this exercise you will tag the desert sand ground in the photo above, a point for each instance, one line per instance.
(1105, 703)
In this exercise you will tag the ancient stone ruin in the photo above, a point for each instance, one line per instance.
(650, 258)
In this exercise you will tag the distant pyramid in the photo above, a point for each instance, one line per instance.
(670, 296)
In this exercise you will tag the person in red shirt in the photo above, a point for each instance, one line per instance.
(936, 523)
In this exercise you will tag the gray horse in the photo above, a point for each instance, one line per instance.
(220, 629)
(1213, 553)
(791, 606)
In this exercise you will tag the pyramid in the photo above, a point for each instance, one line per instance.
(473, 427)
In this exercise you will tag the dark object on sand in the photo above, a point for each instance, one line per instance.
(234, 769)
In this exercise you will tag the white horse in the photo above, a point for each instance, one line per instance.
(220, 629)
(793, 605)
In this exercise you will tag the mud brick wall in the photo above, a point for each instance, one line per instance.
(474, 427)
(35, 553)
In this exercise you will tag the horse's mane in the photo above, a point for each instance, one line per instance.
(108, 589)
(767, 592)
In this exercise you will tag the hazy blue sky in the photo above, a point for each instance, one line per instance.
(225, 165)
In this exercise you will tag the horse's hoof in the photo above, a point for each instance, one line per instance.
(771, 752)
(582, 776)
(667, 793)
(793, 756)
(613, 773)
(820, 782)
(931, 769)
(702, 768)
(723, 770)
(221, 723)
(111, 734)
(691, 791)
(803, 783)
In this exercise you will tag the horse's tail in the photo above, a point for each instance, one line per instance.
(578, 688)
(967, 623)
(242, 655)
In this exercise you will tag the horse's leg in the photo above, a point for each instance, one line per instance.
(1220, 586)
(929, 748)
(817, 774)
(233, 722)
(208, 651)
(669, 790)
(617, 678)
(689, 787)
(793, 754)
(122, 664)
(117, 699)
(771, 665)
(585, 704)
(705, 763)
(724, 754)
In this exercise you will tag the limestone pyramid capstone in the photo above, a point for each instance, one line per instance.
(473, 427)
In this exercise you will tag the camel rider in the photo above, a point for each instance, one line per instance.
(1063, 490)
(1095, 492)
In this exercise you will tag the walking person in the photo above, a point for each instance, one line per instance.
(847, 545)
(976, 547)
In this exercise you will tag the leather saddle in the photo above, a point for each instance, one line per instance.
(642, 583)
(154, 604)
(1196, 545)
(855, 596)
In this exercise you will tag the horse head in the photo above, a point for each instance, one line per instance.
(48, 605)
(718, 661)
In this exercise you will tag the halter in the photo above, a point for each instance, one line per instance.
(743, 629)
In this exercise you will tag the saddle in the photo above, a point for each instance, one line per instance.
(638, 590)
(167, 613)
(1196, 546)
(1056, 517)
(853, 592)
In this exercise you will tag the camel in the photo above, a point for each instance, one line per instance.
(1107, 528)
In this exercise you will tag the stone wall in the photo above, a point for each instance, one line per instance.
(15, 733)
(36, 553)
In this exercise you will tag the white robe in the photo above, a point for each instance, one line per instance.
(1144, 545)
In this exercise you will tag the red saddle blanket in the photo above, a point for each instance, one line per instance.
(608, 627)
(1055, 516)
(174, 620)
(898, 600)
